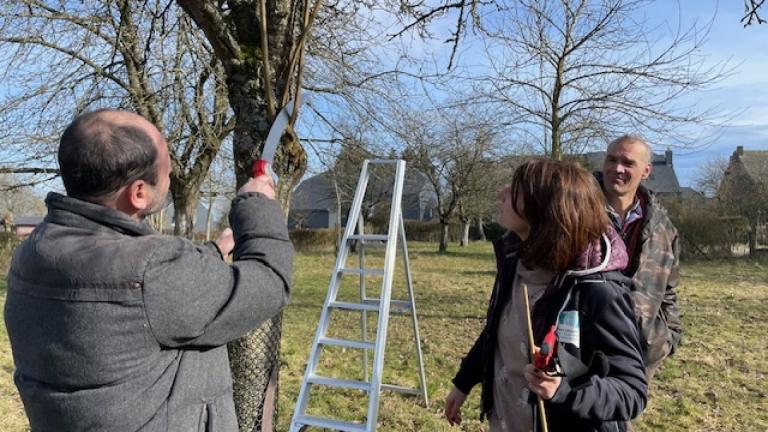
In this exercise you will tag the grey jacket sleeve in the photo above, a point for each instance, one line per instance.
(193, 298)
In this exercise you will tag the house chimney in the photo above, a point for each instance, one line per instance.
(740, 150)
(668, 157)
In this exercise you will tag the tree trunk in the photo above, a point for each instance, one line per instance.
(255, 356)
(557, 151)
(752, 239)
(480, 228)
(235, 37)
(183, 222)
(157, 221)
(337, 225)
(443, 248)
(464, 233)
(555, 120)
(209, 216)
(185, 200)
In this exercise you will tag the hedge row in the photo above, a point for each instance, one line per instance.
(315, 239)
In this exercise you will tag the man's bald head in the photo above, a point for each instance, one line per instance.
(104, 150)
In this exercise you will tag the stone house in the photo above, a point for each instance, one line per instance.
(313, 204)
(744, 191)
(21, 226)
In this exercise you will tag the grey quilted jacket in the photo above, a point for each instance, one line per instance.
(116, 328)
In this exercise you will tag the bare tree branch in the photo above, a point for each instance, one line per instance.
(752, 12)
(28, 170)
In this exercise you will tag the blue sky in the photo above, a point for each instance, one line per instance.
(742, 95)
(744, 92)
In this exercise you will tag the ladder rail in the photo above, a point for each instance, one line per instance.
(386, 295)
(333, 287)
(363, 313)
(414, 318)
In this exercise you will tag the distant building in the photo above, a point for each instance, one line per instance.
(662, 181)
(22, 226)
(217, 214)
(313, 204)
(744, 191)
(691, 195)
(746, 176)
(746, 167)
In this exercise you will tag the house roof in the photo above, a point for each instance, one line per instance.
(689, 194)
(317, 192)
(27, 220)
(662, 179)
(755, 162)
(219, 211)
(314, 193)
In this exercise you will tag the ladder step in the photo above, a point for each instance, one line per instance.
(369, 272)
(399, 389)
(382, 161)
(335, 382)
(369, 237)
(347, 343)
(354, 306)
(400, 305)
(328, 423)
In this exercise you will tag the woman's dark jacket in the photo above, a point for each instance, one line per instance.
(612, 388)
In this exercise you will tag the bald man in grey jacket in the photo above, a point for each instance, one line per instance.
(115, 327)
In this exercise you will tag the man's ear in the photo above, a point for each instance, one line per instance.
(646, 171)
(137, 195)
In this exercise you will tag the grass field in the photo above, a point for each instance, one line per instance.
(716, 382)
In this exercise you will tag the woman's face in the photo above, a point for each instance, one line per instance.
(508, 217)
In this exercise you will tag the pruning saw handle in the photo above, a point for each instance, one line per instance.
(261, 167)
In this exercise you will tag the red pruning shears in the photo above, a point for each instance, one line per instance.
(544, 359)
(263, 166)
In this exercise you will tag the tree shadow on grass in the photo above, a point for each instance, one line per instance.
(316, 307)
(478, 272)
(454, 254)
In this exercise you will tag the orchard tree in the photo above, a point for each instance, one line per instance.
(18, 199)
(145, 57)
(578, 71)
(449, 147)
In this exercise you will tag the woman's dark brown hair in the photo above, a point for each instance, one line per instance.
(565, 208)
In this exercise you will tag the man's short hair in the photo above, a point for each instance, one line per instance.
(634, 138)
(97, 156)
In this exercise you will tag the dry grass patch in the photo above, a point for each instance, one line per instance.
(12, 418)
(716, 382)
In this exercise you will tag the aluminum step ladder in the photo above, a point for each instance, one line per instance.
(395, 236)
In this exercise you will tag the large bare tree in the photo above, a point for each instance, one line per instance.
(448, 146)
(270, 50)
(479, 203)
(261, 46)
(575, 72)
(17, 199)
(114, 54)
(710, 175)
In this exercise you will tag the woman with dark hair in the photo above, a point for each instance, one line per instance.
(561, 246)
